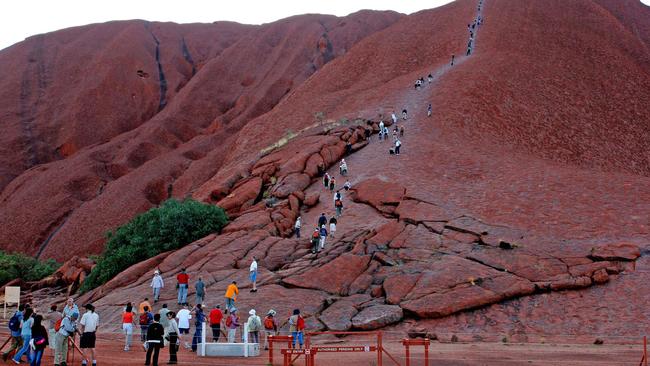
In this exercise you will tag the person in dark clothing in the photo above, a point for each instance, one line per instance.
(452, 60)
(322, 220)
(366, 133)
(39, 336)
(348, 148)
(155, 334)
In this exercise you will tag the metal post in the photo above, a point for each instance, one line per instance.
(408, 356)
(270, 341)
(203, 329)
(645, 350)
(380, 348)
(426, 351)
(246, 339)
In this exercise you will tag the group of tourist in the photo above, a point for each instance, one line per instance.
(32, 332)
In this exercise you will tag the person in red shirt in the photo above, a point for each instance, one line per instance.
(215, 322)
(183, 280)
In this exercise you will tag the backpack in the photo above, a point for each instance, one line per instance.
(14, 323)
(256, 324)
(144, 319)
(338, 203)
(57, 325)
(301, 323)
(229, 321)
(315, 235)
(269, 324)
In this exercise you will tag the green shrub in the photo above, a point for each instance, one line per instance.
(18, 265)
(171, 226)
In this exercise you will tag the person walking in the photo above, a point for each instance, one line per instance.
(215, 322)
(232, 323)
(254, 326)
(429, 110)
(89, 323)
(128, 319)
(333, 223)
(322, 220)
(146, 318)
(326, 180)
(199, 286)
(155, 334)
(315, 240)
(252, 274)
(393, 116)
(14, 328)
(398, 144)
(338, 205)
(68, 328)
(452, 59)
(347, 185)
(270, 327)
(172, 335)
(199, 319)
(430, 78)
(26, 335)
(343, 168)
(163, 315)
(296, 328)
(404, 114)
(157, 284)
(184, 317)
(144, 304)
(297, 226)
(381, 129)
(183, 280)
(39, 340)
(323, 235)
(231, 295)
(53, 316)
(332, 184)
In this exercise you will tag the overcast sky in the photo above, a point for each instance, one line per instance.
(20, 19)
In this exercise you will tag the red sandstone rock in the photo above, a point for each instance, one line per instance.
(311, 199)
(378, 316)
(334, 277)
(616, 251)
(378, 193)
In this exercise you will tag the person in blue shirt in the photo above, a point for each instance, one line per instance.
(26, 334)
(16, 339)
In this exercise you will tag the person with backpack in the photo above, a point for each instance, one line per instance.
(332, 184)
(296, 327)
(398, 144)
(146, 318)
(182, 283)
(231, 295)
(128, 320)
(270, 327)
(333, 223)
(144, 304)
(26, 335)
(215, 322)
(68, 328)
(53, 317)
(173, 337)
(39, 340)
(254, 325)
(89, 323)
(315, 240)
(199, 319)
(323, 235)
(157, 284)
(155, 333)
(297, 226)
(339, 210)
(232, 323)
(199, 286)
(14, 328)
(252, 274)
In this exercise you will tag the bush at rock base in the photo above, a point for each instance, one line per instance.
(18, 265)
(168, 227)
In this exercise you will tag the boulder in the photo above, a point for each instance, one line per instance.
(334, 277)
(248, 222)
(246, 193)
(311, 199)
(378, 316)
(382, 195)
(291, 183)
(616, 252)
(414, 211)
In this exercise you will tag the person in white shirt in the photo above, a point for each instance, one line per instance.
(393, 117)
(184, 317)
(89, 323)
(253, 274)
(297, 227)
(157, 284)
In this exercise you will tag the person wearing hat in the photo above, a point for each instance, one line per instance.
(254, 326)
(157, 284)
(232, 323)
(270, 327)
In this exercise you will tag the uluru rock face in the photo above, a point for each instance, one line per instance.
(522, 197)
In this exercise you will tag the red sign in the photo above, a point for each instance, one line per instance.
(298, 351)
(346, 349)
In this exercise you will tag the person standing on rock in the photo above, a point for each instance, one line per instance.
(404, 114)
(232, 323)
(323, 235)
(14, 328)
(270, 327)
(366, 134)
(163, 315)
(322, 220)
(381, 129)
(401, 131)
(430, 78)
(231, 295)
(146, 318)
(333, 223)
(347, 185)
(215, 322)
(398, 144)
(452, 59)
(296, 327)
(89, 324)
(199, 319)
(199, 286)
(393, 116)
(183, 280)
(143, 305)
(128, 320)
(157, 284)
(337, 196)
(252, 274)
(343, 168)
(172, 334)
(254, 326)
(332, 184)
(297, 226)
(315, 239)
(155, 334)
(339, 209)
(326, 180)
(429, 110)
(68, 328)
